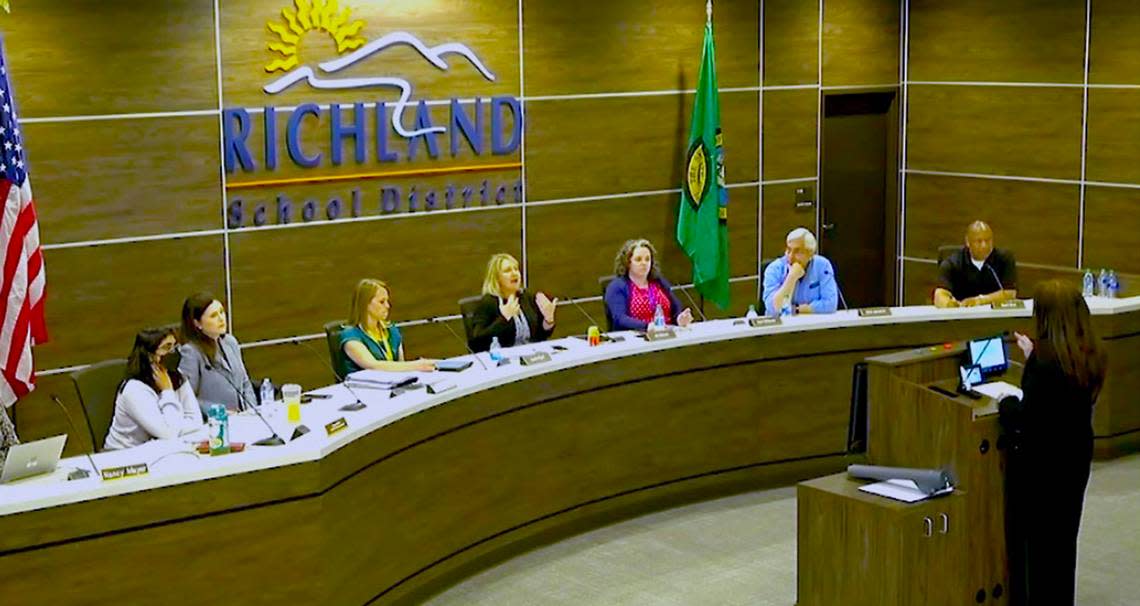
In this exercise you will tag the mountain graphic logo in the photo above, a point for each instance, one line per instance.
(325, 16)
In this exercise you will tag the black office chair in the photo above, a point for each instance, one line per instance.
(946, 250)
(337, 356)
(97, 387)
(467, 307)
(603, 284)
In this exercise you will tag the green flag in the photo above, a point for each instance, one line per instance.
(702, 222)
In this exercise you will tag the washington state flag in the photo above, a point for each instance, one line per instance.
(702, 221)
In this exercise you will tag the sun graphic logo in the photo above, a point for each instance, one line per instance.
(316, 16)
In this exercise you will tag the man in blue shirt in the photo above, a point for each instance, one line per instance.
(801, 279)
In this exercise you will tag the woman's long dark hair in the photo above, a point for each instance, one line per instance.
(1065, 334)
(139, 366)
(192, 310)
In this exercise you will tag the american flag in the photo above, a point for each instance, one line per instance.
(21, 260)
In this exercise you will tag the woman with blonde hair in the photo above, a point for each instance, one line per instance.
(508, 312)
(633, 298)
(371, 342)
(1049, 436)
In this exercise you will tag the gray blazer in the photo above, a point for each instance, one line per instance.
(217, 381)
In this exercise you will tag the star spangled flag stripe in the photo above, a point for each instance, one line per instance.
(23, 278)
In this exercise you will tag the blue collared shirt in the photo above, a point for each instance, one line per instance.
(817, 288)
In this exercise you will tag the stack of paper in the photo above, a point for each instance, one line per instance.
(380, 379)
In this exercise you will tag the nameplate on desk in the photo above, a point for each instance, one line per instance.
(126, 471)
(763, 321)
(874, 312)
(660, 334)
(534, 358)
(1008, 304)
(336, 426)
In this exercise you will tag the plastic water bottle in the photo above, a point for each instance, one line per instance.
(1102, 283)
(1113, 284)
(1089, 283)
(266, 391)
(496, 350)
(751, 312)
(659, 317)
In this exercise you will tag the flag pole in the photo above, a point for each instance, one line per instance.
(708, 12)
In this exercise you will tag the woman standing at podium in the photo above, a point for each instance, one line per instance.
(1051, 445)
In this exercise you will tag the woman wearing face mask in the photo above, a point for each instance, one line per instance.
(152, 403)
(211, 359)
(507, 311)
(633, 298)
(371, 342)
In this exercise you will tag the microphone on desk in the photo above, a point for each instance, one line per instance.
(274, 439)
(76, 474)
(1001, 287)
(695, 306)
(582, 310)
(466, 347)
(358, 404)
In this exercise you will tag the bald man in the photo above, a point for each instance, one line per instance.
(978, 273)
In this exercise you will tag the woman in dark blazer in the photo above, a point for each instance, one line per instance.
(1050, 442)
(632, 299)
(8, 437)
(507, 311)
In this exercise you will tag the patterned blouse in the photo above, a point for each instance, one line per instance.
(643, 302)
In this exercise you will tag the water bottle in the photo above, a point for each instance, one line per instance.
(1102, 283)
(219, 429)
(266, 391)
(659, 317)
(1089, 283)
(496, 350)
(751, 312)
(1113, 284)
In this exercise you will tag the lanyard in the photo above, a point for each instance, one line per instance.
(386, 345)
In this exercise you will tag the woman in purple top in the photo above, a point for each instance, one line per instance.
(633, 298)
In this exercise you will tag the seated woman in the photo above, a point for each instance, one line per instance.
(211, 359)
(506, 311)
(632, 299)
(8, 437)
(371, 343)
(152, 403)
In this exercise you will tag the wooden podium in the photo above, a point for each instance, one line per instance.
(856, 548)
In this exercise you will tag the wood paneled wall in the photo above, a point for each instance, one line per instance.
(120, 106)
(1002, 127)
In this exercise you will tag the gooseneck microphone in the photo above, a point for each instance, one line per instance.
(438, 320)
(582, 310)
(274, 439)
(79, 473)
(358, 404)
(994, 273)
(694, 303)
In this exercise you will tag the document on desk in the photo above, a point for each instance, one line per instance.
(998, 390)
(902, 490)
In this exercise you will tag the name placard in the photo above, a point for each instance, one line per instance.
(126, 471)
(1008, 304)
(874, 312)
(336, 426)
(660, 334)
(763, 321)
(534, 358)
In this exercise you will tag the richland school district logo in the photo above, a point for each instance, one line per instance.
(364, 133)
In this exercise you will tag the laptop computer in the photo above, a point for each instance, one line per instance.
(32, 458)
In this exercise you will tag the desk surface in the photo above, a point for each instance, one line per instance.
(421, 488)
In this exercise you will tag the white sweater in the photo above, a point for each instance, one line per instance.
(142, 415)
